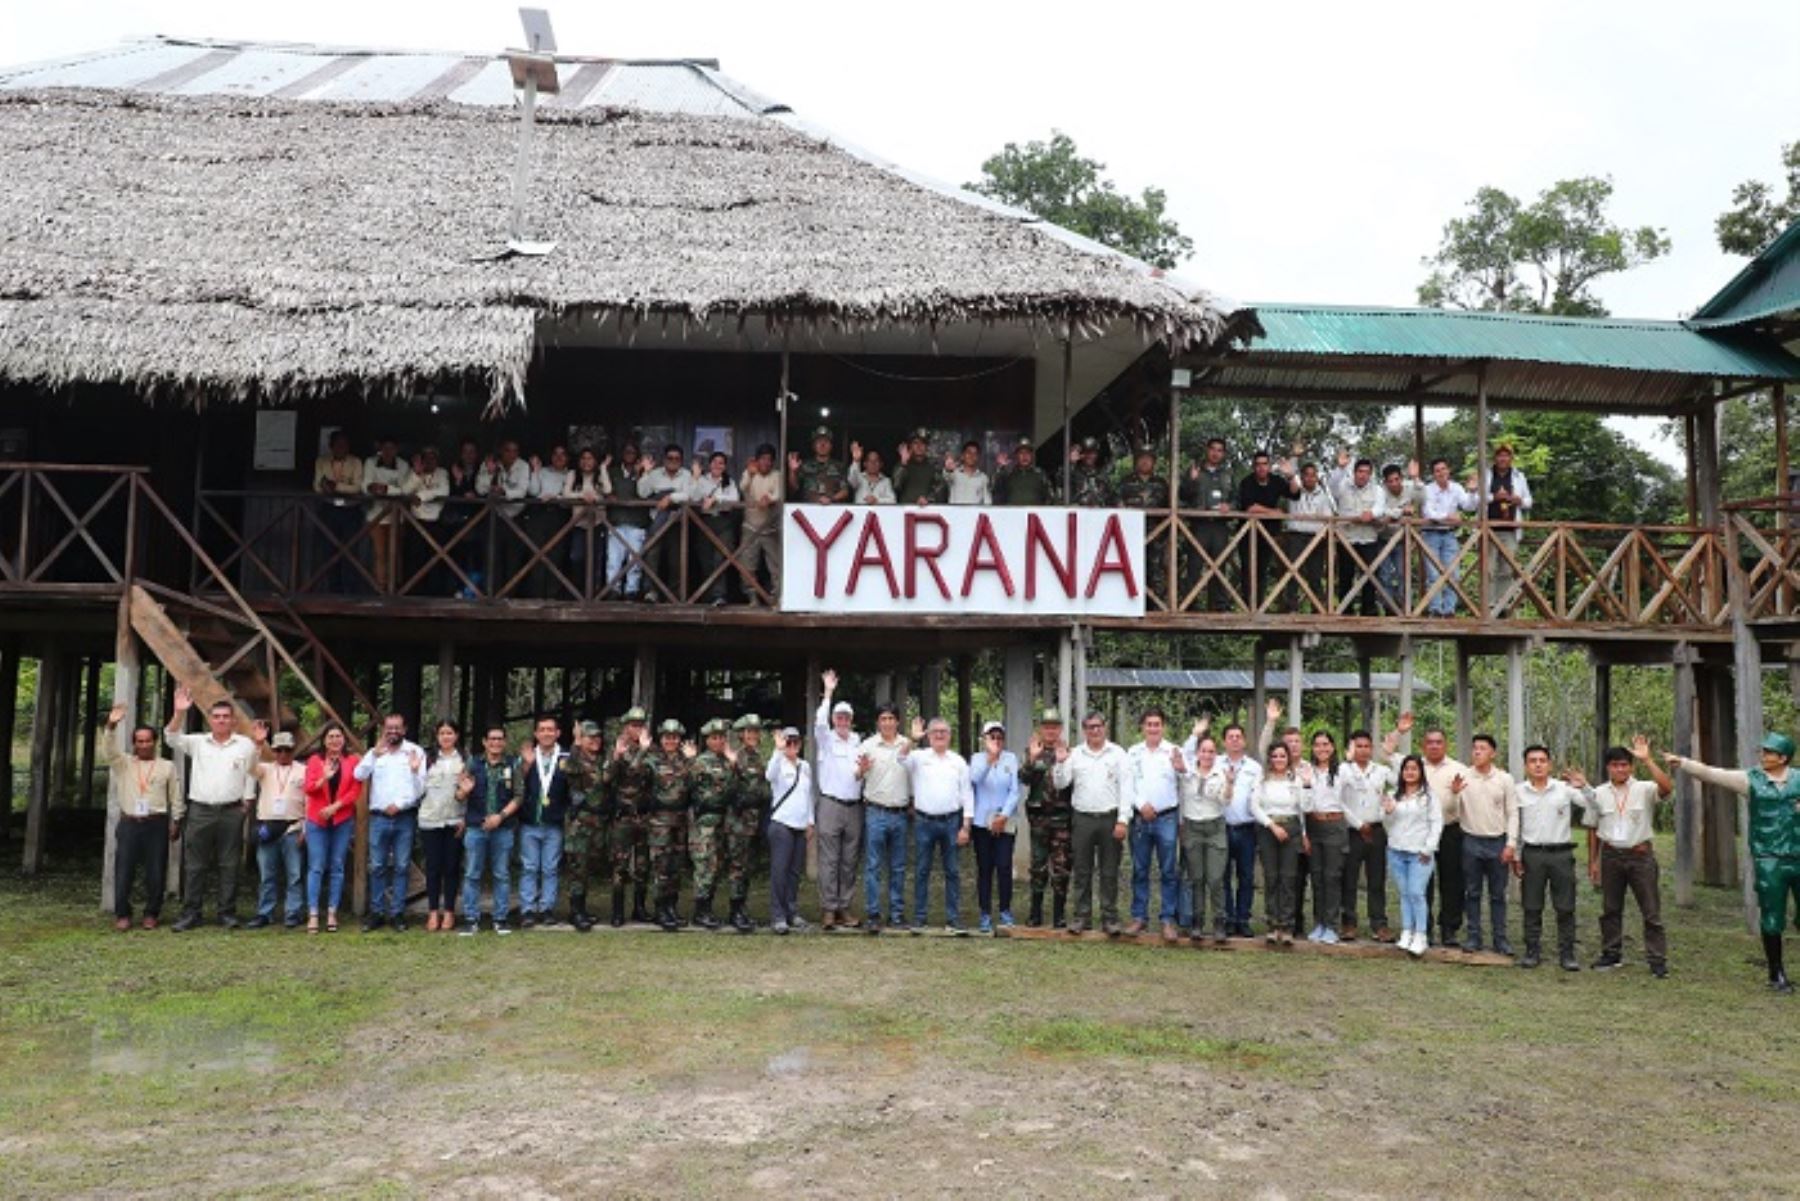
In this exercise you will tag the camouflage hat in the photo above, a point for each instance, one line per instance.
(671, 726)
(748, 721)
(588, 729)
(823, 431)
(1050, 717)
(1025, 444)
(1140, 450)
(717, 725)
(635, 715)
(919, 435)
(1090, 444)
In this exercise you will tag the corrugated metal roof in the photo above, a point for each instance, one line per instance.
(1769, 285)
(1233, 680)
(201, 67)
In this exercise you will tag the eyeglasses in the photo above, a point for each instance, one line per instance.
(1093, 725)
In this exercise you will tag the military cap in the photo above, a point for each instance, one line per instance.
(919, 435)
(1090, 444)
(1142, 449)
(635, 714)
(1025, 444)
(1050, 717)
(1781, 744)
(588, 729)
(283, 741)
(717, 725)
(748, 721)
(671, 726)
(823, 431)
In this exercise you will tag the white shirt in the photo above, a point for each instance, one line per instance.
(1542, 817)
(969, 487)
(398, 480)
(1394, 507)
(837, 758)
(1276, 798)
(1203, 797)
(548, 481)
(660, 482)
(1439, 504)
(1360, 790)
(1246, 772)
(219, 773)
(941, 784)
(793, 809)
(886, 782)
(1314, 503)
(878, 491)
(393, 780)
(431, 487)
(513, 483)
(1415, 825)
(441, 806)
(1624, 816)
(1352, 501)
(280, 795)
(1097, 778)
(723, 492)
(1150, 779)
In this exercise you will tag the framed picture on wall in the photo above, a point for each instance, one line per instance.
(711, 438)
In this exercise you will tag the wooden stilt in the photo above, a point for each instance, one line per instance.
(965, 703)
(1465, 703)
(61, 703)
(1515, 710)
(43, 743)
(1687, 800)
(1406, 687)
(643, 678)
(1602, 717)
(1065, 680)
(1296, 681)
(409, 687)
(127, 690)
(9, 713)
(1259, 691)
(445, 699)
(1747, 677)
(931, 691)
(1365, 690)
(1081, 679)
(87, 729)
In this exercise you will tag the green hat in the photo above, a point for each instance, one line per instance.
(1090, 444)
(635, 714)
(588, 729)
(748, 721)
(824, 431)
(919, 435)
(717, 725)
(1781, 744)
(671, 726)
(1026, 444)
(1050, 717)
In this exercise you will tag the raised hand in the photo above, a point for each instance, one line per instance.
(830, 680)
(1176, 761)
(1075, 455)
(528, 753)
(949, 462)
(856, 455)
(1457, 783)
(1412, 470)
(184, 700)
(116, 716)
(793, 460)
(918, 729)
(904, 455)
(537, 464)
(259, 731)
(1640, 748)
(1343, 459)
(1062, 753)
(643, 740)
(1273, 709)
(1577, 779)
(863, 764)
(606, 461)
(414, 760)
(1405, 724)
(688, 749)
(1034, 748)
(1193, 471)
(1003, 460)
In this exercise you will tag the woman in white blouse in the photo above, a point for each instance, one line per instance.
(441, 825)
(1414, 822)
(790, 825)
(1278, 804)
(715, 496)
(583, 487)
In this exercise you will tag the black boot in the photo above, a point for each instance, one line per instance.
(666, 917)
(703, 913)
(618, 908)
(578, 914)
(1037, 908)
(1532, 957)
(1777, 972)
(1057, 904)
(740, 921)
(638, 912)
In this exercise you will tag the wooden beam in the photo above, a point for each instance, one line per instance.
(9, 712)
(87, 728)
(127, 695)
(43, 722)
(1365, 691)
(1693, 483)
(1296, 697)
(1602, 717)
(1419, 435)
(1687, 800)
(1068, 436)
(1065, 680)
(1398, 397)
(445, 698)
(1747, 678)
(1259, 690)
(965, 704)
(1465, 703)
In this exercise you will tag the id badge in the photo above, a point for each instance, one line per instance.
(143, 807)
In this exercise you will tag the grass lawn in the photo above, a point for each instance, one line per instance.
(637, 1064)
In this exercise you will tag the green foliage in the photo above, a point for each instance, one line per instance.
(1544, 257)
(1065, 188)
(1755, 216)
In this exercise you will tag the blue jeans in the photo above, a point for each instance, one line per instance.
(1481, 861)
(482, 850)
(280, 861)
(326, 850)
(1412, 877)
(390, 860)
(884, 846)
(1442, 545)
(616, 558)
(1160, 834)
(929, 833)
(1240, 870)
(540, 858)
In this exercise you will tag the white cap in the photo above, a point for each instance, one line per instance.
(993, 727)
(842, 707)
(790, 733)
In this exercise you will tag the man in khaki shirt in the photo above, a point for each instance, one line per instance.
(338, 477)
(148, 796)
(1440, 772)
(1488, 799)
(1621, 855)
(280, 827)
(759, 539)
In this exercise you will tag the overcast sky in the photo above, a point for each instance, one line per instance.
(1312, 150)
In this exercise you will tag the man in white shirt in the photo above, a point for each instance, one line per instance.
(1361, 784)
(1442, 506)
(386, 481)
(393, 772)
(868, 485)
(968, 483)
(508, 477)
(887, 794)
(221, 765)
(337, 476)
(1242, 774)
(1360, 496)
(943, 808)
(759, 540)
(1544, 853)
(1400, 495)
(1150, 806)
(839, 818)
(544, 518)
(1622, 855)
(1205, 790)
(430, 486)
(1311, 501)
(1095, 770)
(667, 488)
(1508, 497)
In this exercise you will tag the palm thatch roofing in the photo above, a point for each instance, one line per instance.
(269, 249)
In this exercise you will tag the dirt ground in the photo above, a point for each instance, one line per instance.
(626, 1064)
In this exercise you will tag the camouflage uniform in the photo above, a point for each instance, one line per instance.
(1051, 813)
(1151, 492)
(1017, 485)
(628, 780)
(819, 480)
(1089, 488)
(585, 852)
(710, 780)
(750, 801)
(668, 824)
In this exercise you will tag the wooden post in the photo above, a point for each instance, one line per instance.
(1019, 673)
(127, 687)
(1778, 401)
(1419, 437)
(9, 713)
(1746, 661)
(1465, 702)
(931, 690)
(1081, 680)
(1686, 794)
(1296, 683)
(1515, 709)
(965, 704)
(643, 679)
(43, 745)
(1259, 690)
(1365, 687)
(1693, 484)
(815, 692)
(1065, 680)
(1602, 717)
(409, 689)
(1406, 687)
(88, 726)
(1068, 424)
(1174, 536)
(446, 680)
(1484, 561)
(781, 408)
(62, 727)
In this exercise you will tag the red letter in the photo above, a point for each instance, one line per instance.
(1036, 539)
(1113, 538)
(996, 562)
(928, 554)
(871, 533)
(821, 546)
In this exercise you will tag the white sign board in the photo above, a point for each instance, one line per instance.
(274, 446)
(906, 559)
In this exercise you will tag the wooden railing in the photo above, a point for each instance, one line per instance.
(1762, 544)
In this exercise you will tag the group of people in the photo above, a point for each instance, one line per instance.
(652, 811)
(741, 512)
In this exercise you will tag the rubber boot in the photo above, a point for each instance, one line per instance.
(1777, 971)
(578, 914)
(740, 921)
(618, 908)
(638, 912)
(703, 913)
(1057, 918)
(1037, 908)
(666, 916)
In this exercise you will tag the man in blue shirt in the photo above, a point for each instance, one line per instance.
(394, 770)
(994, 773)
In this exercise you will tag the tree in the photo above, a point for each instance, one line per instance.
(1058, 184)
(1755, 218)
(1545, 257)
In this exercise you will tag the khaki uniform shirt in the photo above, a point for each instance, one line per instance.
(146, 788)
(1488, 803)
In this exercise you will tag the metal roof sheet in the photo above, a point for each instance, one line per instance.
(1768, 286)
(1235, 680)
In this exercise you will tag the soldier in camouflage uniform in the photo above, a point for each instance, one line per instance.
(918, 480)
(1050, 811)
(1144, 489)
(750, 799)
(820, 480)
(710, 784)
(585, 852)
(1021, 481)
(1088, 486)
(668, 824)
(627, 780)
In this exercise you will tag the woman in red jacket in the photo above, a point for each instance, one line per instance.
(332, 790)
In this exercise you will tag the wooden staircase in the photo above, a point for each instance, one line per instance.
(210, 660)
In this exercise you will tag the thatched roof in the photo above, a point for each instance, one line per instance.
(256, 247)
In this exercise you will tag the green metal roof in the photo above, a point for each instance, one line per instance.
(1768, 285)
(1605, 343)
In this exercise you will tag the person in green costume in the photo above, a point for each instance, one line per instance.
(1774, 795)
